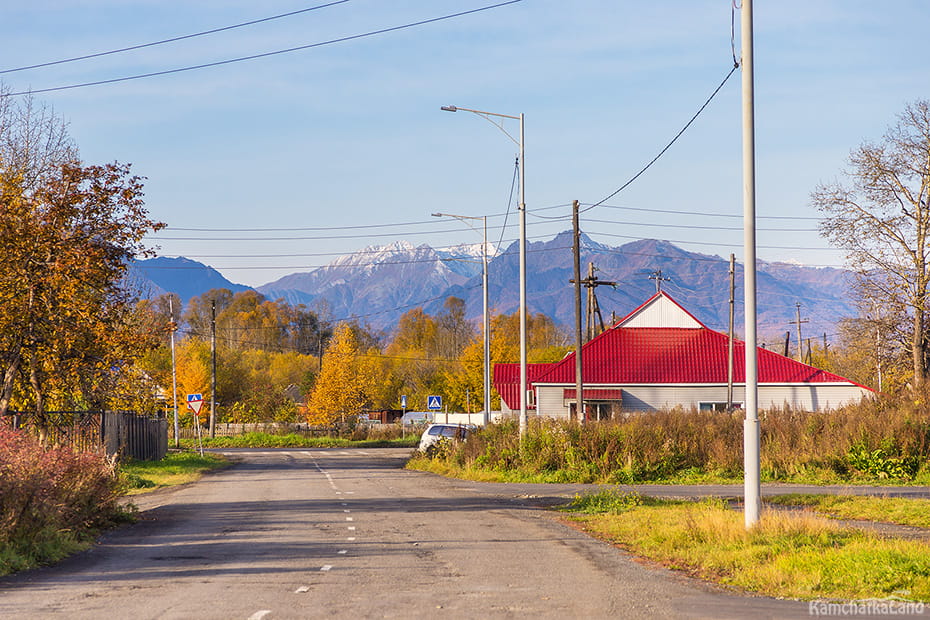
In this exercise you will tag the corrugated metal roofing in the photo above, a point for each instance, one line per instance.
(659, 355)
(632, 355)
(594, 393)
(507, 381)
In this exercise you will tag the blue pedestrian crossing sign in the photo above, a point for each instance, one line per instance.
(195, 402)
(434, 403)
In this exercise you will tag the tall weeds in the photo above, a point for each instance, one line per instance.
(881, 438)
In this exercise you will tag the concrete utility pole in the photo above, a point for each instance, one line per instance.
(576, 251)
(798, 322)
(173, 327)
(752, 486)
(730, 333)
(213, 366)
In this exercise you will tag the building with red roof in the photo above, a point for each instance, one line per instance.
(660, 356)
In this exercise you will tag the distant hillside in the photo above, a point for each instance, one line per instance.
(378, 284)
(185, 277)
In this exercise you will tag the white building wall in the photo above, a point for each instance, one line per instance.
(661, 312)
(550, 403)
(651, 397)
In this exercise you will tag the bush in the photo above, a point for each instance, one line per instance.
(50, 499)
(880, 439)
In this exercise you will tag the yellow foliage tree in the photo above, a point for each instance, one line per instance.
(344, 386)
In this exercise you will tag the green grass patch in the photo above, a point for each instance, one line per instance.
(176, 468)
(792, 555)
(293, 440)
(899, 510)
(613, 502)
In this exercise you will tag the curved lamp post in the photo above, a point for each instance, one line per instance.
(522, 208)
(486, 317)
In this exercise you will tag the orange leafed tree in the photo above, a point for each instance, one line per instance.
(345, 384)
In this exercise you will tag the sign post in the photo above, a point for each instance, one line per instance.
(195, 404)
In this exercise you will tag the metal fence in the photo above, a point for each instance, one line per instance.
(120, 433)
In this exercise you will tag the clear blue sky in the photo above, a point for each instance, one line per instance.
(351, 133)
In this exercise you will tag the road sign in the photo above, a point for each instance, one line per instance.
(195, 403)
(403, 402)
(434, 403)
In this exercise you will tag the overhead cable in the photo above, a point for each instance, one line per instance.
(172, 39)
(669, 145)
(264, 54)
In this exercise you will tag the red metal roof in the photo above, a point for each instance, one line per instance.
(659, 355)
(631, 355)
(594, 393)
(507, 381)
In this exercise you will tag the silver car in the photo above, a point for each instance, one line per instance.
(435, 432)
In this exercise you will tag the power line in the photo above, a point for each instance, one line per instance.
(265, 54)
(505, 215)
(717, 243)
(697, 227)
(704, 213)
(172, 39)
(351, 266)
(669, 145)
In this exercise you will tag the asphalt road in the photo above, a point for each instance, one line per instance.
(350, 534)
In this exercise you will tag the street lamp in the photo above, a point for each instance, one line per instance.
(486, 318)
(522, 208)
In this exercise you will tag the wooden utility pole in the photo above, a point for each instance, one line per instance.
(730, 333)
(594, 311)
(798, 322)
(576, 251)
(657, 276)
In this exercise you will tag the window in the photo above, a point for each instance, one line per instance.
(718, 406)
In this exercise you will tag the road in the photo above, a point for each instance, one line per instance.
(350, 534)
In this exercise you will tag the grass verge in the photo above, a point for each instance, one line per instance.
(176, 468)
(293, 440)
(899, 510)
(472, 471)
(792, 555)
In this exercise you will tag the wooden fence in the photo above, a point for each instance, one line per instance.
(120, 433)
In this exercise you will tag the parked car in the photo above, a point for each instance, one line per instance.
(436, 432)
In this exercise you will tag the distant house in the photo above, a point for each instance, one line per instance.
(660, 356)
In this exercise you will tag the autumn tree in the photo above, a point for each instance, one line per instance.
(198, 314)
(66, 245)
(344, 385)
(463, 383)
(34, 142)
(881, 218)
(455, 331)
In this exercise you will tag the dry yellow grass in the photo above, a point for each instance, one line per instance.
(788, 554)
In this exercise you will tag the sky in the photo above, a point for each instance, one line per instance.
(279, 164)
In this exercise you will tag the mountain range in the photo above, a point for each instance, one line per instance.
(378, 284)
